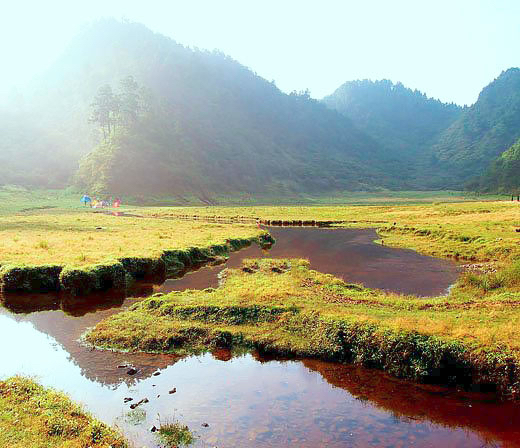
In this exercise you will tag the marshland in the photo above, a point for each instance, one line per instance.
(240, 310)
(244, 224)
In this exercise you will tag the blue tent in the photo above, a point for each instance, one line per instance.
(86, 199)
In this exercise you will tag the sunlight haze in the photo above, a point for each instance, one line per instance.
(449, 50)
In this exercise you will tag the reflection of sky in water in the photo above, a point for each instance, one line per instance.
(248, 403)
(245, 402)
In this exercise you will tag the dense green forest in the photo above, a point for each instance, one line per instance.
(484, 130)
(402, 120)
(503, 175)
(213, 125)
(128, 111)
(439, 145)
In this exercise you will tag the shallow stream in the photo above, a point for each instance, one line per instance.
(250, 401)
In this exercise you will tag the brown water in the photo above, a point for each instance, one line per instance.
(247, 401)
(346, 253)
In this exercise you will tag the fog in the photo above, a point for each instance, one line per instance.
(447, 49)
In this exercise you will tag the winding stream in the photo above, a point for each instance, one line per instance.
(250, 401)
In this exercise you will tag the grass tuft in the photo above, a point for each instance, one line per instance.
(174, 434)
(33, 416)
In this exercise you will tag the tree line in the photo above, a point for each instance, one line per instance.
(121, 109)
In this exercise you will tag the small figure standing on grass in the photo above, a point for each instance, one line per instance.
(86, 200)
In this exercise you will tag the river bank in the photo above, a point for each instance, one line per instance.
(33, 416)
(284, 308)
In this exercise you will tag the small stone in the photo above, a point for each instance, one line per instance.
(134, 405)
(205, 425)
(131, 371)
(156, 373)
(173, 390)
(153, 429)
(122, 366)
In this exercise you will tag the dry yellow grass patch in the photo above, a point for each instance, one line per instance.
(83, 238)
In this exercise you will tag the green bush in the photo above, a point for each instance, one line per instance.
(141, 267)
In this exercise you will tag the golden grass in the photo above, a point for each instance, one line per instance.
(85, 237)
(488, 321)
(479, 231)
(283, 307)
(34, 417)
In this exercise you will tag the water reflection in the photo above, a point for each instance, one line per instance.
(346, 253)
(250, 400)
(253, 401)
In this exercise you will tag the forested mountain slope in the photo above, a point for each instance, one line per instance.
(438, 145)
(483, 131)
(503, 175)
(212, 124)
(402, 120)
(204, 124)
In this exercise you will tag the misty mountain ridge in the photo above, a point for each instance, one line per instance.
(401, 119)
(214, 126)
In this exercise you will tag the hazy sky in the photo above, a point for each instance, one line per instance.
(448, 49)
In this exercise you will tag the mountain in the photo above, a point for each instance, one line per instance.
(503, 174)
(402, 120)
(199, 124)
(214, 125)
(483, 131)
(438, 145)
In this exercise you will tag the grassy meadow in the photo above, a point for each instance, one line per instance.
(287, 308)
(80, 250)
(470, 336)
(476, 231)
(32, 416)
(88, 237)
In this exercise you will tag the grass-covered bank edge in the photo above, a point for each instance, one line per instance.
(34, 416)
(404, 354)
(281, 308)
(86, 279)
